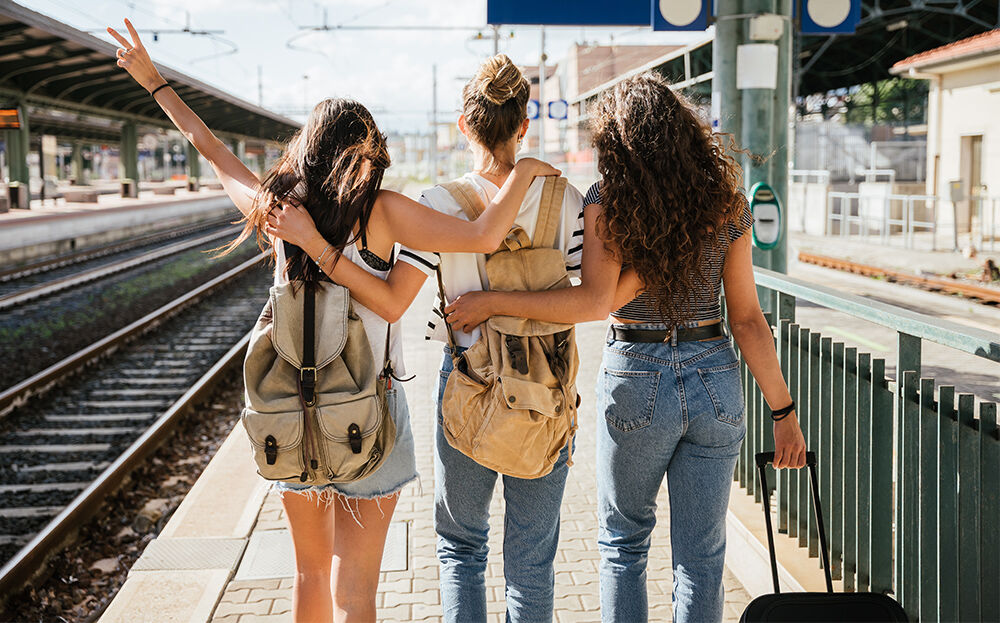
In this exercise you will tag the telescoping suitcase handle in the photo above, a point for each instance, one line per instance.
(763, 458)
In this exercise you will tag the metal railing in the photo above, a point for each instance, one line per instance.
(852, 214)
(988, 214)
(909, 473)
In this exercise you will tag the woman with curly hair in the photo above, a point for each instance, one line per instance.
(671, 208)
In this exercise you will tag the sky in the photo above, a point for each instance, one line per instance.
(387, 70)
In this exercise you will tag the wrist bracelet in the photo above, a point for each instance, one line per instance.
(779, 414)
(319, 260)
(153, 92)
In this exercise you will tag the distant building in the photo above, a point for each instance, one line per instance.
(583, 69)
(963, 124)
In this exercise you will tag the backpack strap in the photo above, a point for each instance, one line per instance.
(549, 213)
(465, 194)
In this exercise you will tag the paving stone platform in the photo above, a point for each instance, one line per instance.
(411, 593)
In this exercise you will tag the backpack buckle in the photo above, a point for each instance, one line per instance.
(307, 383)
(518, 358)
(307, 375)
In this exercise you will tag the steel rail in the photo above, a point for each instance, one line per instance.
(30, 560)
(950, 286)
(42, 381)
(57, 285)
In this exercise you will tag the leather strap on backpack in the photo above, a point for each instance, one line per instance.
(549, 213)
(387, 370)
(307, 373)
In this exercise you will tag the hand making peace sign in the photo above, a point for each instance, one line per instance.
(134, 58)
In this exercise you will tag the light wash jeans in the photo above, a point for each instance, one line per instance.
(462, 493)
(674, 410)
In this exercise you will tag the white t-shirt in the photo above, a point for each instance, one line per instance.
(466, 272)
(374, 324)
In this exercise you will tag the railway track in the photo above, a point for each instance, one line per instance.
(27, 283)
(936, 284)
(76, 438)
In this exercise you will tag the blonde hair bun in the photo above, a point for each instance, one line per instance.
(499, 79)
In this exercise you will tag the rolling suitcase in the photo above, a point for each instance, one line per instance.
(813, 607)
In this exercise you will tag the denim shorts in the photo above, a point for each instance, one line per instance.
(398, 469)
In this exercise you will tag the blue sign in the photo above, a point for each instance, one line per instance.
(680, 14)
(569, 12)
(828, 17)
(558, 109)
(532, 109)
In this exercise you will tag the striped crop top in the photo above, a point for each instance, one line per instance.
(703, 303)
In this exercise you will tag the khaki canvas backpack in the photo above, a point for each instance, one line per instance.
(315, 411)
(510, 402)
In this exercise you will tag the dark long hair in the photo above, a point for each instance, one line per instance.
(334, 167)
(670, 187)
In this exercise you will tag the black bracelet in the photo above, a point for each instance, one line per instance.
(779, 414)
(153, 92)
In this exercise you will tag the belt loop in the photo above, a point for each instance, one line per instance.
(673, 336)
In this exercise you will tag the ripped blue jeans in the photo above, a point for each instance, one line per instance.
(674, 411)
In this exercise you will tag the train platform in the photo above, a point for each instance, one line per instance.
(58, 226)
(226, 554)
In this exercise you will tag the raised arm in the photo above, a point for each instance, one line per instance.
(239, 182)
(593, 299)
(419, 227)
(756, 341)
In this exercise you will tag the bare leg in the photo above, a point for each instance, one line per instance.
(357, 557)
(311, 523)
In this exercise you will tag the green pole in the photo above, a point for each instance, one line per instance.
(76, 160)
(782, 117)
(128, 154)
(726, 98)
(261, 164)
(193, 163)
(17, 157)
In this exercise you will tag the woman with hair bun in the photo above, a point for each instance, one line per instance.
(323, 198)
(670, 206)
(494, 120)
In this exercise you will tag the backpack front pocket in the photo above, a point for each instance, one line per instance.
(276, 439)
(352, 442)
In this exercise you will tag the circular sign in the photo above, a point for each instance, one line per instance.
(828, 13)
(532, 109)
(680, 12)
(558, 109)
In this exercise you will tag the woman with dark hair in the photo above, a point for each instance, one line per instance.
(494, 120)
(670, 207)
(330, 176)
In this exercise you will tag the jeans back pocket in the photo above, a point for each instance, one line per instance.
(628, 397)
(726, 391)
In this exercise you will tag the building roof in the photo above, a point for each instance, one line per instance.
(963, 49)
(597, 64)
(46, 63)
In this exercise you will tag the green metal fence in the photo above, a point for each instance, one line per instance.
(909, 471)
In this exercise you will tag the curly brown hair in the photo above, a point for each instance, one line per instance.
(670, 187)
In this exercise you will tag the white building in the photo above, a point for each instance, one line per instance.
(963, 133)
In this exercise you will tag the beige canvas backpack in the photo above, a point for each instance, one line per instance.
(510, 402)
(315, 411)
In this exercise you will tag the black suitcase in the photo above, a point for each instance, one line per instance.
(813, 607)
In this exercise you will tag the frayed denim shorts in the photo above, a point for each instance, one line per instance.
(398, 469)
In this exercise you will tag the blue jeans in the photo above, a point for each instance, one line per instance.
(462, 493)
(674, 410)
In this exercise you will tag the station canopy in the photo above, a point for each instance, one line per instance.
(51, 66)
(889, 31)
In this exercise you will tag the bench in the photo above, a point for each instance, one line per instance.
(164, 190)
(80, 196)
